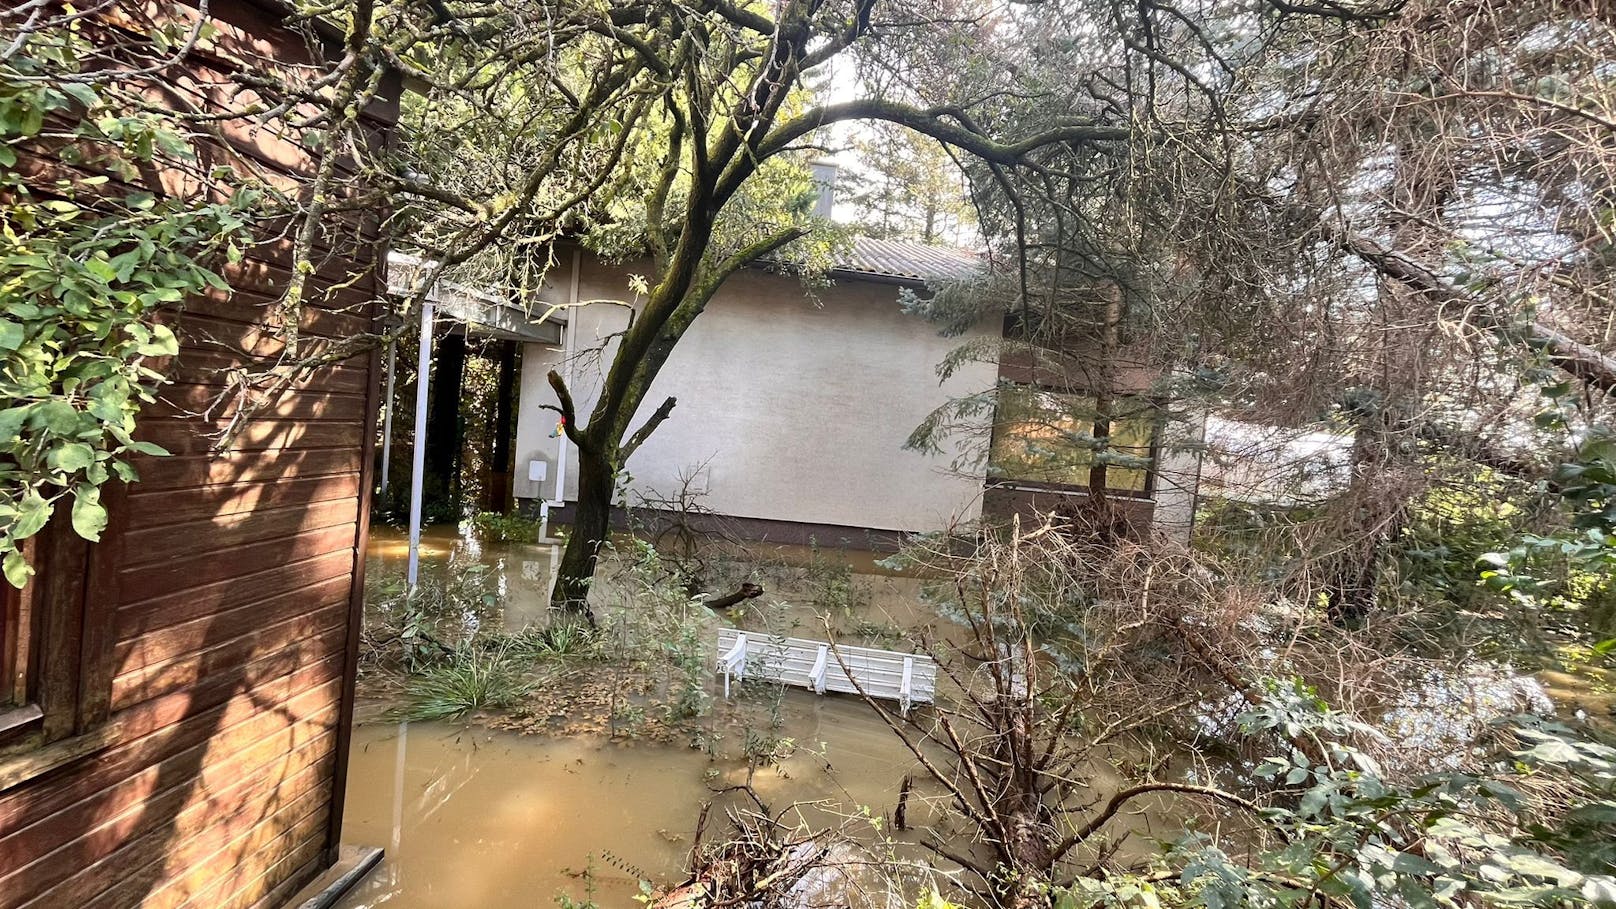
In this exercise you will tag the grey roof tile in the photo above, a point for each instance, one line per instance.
(904, 262)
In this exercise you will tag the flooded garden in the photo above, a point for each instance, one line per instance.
(507, 758)
(589, 790)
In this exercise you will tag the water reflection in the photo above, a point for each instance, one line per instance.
(866, 603)
(478, 819)
(521, 573)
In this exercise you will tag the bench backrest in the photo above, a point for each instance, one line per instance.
(791, 661)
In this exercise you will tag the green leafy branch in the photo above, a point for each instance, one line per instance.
(1580, 559)
(1534, 829)
(1354, 836)
(85, 266)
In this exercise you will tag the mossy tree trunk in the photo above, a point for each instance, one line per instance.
(717, 138)
(444, 432)
(591, 524)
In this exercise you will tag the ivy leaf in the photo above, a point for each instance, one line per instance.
(1408, 863)
(33, 120)
(80, 281)
(89, 516)
(1313, 802)
(108, 408)
(80, 92)
(11, 420)
(1594, 813)
(1533, 865)
(162, 343)
(1600, 890)
(101, 268)
(57, 416)
(1553, 751)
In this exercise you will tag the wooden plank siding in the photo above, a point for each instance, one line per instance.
(231, 581)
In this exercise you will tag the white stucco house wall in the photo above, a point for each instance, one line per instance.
(793, 407)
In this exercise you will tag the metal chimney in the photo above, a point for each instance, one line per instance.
(824, 176)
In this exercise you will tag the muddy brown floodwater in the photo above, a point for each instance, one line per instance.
(478, 819)
(484, 819)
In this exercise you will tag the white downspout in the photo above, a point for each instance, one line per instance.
(418, 456)
(560, 497)
(387, 415)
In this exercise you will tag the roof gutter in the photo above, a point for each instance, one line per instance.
(877, 278)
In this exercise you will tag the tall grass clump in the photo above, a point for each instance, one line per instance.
(472, 678)
(563, 640)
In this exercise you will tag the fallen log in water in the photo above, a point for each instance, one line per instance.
(743, 593)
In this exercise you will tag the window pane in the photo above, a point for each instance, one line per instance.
(1048, 437)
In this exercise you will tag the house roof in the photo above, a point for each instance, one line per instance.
(901, 262)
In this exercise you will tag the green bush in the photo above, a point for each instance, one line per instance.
(87, 268)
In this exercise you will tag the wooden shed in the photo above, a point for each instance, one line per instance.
(177, 730)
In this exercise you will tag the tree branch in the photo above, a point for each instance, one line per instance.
(1345, 12)
(744, 18)
(569, 423)
(1122, 797)
(752, 253)
(930, 122)
(1587, 363)
(645, 430)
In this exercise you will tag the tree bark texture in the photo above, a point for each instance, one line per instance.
(590, 525)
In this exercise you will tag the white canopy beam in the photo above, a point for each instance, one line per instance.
(418, 456)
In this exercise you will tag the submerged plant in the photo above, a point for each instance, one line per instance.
(689, 673)
(661, 628)
(494, 527)
(563, 639)
(836, 590)
(415, 629)
(471, 679)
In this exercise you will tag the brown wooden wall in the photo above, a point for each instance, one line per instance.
(234, 583)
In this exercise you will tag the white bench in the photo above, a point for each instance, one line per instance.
(908, 678)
